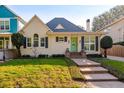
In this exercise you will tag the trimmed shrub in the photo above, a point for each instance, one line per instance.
(43, 56)
(25, 56)
(58, 55)
(94, 55)
(106, 43)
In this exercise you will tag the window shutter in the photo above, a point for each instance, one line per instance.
(56, 39)
(82, 42)
(96, 43)
(46, 39)
(24, 42)
(65, 39)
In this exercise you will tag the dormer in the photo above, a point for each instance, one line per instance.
(59, 26)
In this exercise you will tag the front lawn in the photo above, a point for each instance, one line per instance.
(115, 67)
(51, 72)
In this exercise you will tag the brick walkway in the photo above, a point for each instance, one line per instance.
(97, 76)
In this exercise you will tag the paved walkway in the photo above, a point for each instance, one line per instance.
(97, 76)
(116, 58)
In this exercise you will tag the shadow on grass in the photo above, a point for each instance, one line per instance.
(38, 61)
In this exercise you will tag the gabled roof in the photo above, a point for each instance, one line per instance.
(34, 17)
(6, 12)
(67, 25)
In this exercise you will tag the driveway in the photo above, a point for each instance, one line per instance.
(116, 58)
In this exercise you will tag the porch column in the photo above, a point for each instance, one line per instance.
(10, 43)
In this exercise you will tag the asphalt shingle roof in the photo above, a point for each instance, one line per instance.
(68, 26)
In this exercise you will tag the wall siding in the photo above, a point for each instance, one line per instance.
(13, 25)
(5, 13)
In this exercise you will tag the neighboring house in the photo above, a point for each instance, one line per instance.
(9, 23)
(57, 36)
(115, 30)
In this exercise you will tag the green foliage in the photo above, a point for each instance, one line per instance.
(74, 70)
(28, 73)
(17, 40)
(119, 43)
(108, 17)
(106, 42)
(115, 67)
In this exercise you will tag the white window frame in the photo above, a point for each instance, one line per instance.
(34, 40)
(42, 42)
(60, 39)
(5, 19)
(28, 41)
(89, 43)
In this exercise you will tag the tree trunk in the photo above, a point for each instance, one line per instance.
(105, 53)
(19, 52)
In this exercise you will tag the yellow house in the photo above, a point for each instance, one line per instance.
(58, 36)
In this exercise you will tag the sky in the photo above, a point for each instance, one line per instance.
(77, 14)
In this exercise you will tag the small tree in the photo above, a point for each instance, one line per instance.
(105, 43)
(17, 40)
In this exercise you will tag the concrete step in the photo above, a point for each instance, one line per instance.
(100, 77)
(88, 64)
(93, 70)
(85, 63)
(106, 84)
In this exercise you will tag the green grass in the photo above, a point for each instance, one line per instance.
(52, 72)
(115, 67)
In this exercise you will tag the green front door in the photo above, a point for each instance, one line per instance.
(73, 44)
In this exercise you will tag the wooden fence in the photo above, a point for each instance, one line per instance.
(116, 50)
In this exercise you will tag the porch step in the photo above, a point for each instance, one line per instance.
(75, 55)
(100, 77)
(89, 64)
(91, 70)
(85, 63)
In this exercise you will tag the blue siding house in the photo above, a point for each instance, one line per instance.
(9, 24)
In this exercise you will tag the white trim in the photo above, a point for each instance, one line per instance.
(5, 19)
(27, 42)
(89, 43)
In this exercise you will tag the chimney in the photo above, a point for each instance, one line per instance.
(88, 25)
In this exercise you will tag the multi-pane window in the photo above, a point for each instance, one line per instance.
(4, 25)
(42, 42)
(36, 40)
(28, 42)
(1, 25)
(1, 44)
(61, 39)
(89, 43)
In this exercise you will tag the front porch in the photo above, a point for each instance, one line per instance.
(6, 50)
(5, 41)
(82, 45)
